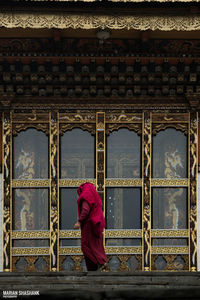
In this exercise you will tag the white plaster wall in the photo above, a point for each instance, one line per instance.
(198, 225)
(1, 222)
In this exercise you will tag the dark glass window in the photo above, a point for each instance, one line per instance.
(77, 154)
(123, 208)
(68, 208)
(123, 154)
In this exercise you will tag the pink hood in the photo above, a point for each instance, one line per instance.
(87, 192)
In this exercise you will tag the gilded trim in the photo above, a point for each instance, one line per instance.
(123, 233)
(54, 193)
(7, 191)
(169, 182)
(30, 251)
(129, 233)
(170, 250)
(16, 183)
(75, 182)
(169, 233)
(146, 191)
(30, 234)
(92, 21)
(70, 250)
(123, 182)
(193, 171)
(123, 250)
(69, 234)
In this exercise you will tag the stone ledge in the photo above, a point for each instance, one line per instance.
(103, 286)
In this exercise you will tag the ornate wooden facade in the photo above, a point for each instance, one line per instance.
(136, 102)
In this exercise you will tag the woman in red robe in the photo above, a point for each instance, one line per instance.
(92, 223)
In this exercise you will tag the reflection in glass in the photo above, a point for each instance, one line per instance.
(123, 242)
(30, 161)
(30, 209)
(77, 154)
(70, 242)
(31, 243)
(123, 154)
(123, 208)
(170, 242)
(68, 208)
(170, 154)
(170, 208)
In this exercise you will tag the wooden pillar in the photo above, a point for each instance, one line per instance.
(193, 172)
(146, 193)
(54, 192)
(7, 192)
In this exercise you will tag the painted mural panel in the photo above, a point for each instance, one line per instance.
(170, 154)
(170, 208)
(30, 155)
(30, 209)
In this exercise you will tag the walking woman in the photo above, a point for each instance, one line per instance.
(92, 223)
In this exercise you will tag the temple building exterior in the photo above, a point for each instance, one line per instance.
(106, 92)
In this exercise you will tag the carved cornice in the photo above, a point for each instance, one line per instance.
(92, 21)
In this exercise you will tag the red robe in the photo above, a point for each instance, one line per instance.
(92, 225)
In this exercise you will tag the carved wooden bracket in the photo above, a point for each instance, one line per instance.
(193, 100)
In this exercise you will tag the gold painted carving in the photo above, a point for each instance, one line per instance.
(18, 127)
(30, 234)
(53, 233)
(30, 118)
(167, 117)
(84, 126)
(30, 251)
(15, 183)
(147, 146)
(123, 250)
(100, 126)
(123, 233)
(158, 127)
(6, 140)
(193, 233)
(77, 118)
(123, 182)
(77, 262)
(169, 233)
(170, 250)
(70, 250)
(109, 250)
(70, 234)
(15, 19)
(193, 147)
(146, 169)
(123, 266)
(169, 182)
(131, 126)
(123, 118)
(75, 182)
(147, 232)
(6, 234)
